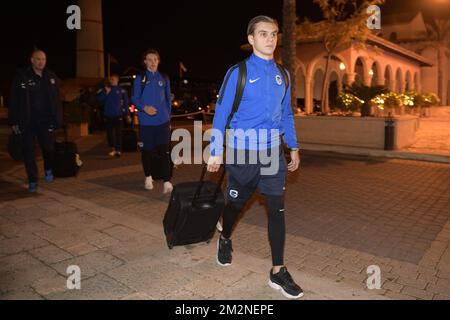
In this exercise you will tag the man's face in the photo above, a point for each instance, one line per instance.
(264, 39)
(114, 81)
(151, 62)
(38, 60)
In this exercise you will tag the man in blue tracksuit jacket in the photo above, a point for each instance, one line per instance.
(115, 105)
(263, 117)
(151, 96)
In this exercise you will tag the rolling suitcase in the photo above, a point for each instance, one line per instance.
(129, 140)
(193, 212)
(65, 162)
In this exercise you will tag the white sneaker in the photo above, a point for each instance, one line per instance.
(112, 153)
(168, 187)
(149, 183)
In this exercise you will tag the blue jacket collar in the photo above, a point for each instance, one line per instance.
(261, 61)
(150, 73)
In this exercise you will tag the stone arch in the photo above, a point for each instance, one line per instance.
(416, 82)
(388, 78)
(301, 85)
(408, 81)
(317, 85)
(360, 70)
(313, 65)
(378, 76)
(399, 80)
(333, 88)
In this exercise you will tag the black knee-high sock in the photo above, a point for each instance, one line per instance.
(277, 228)
(230, 214)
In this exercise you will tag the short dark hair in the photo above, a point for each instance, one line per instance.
(151, 51)
(252, 24)
(36, 49)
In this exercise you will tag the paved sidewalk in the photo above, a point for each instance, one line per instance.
(343, 215)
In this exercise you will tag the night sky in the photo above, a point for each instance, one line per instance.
(205, 35)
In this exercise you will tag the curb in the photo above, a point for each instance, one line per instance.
(377, 153)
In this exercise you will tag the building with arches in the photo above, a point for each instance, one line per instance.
(381, 62)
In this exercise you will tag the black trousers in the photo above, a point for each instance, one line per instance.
(46, 139)
(156, 163)
(114, 127)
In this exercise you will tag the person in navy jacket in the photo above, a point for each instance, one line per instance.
(265, 116)
(35, 111)
(115, 105)
(152, 98)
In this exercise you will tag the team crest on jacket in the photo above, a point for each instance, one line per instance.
(278, 79)
(161, 83)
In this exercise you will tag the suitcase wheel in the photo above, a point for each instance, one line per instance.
(170, 246)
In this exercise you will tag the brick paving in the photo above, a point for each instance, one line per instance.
(343, 214)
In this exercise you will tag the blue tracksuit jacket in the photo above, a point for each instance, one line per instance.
(115, 104)
(265, 104)
(156, 93)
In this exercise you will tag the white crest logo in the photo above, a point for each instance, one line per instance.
(278, 79)
(160, 83)
(234, 194)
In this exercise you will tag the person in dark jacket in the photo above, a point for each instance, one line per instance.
(115, 105)
(35, 112)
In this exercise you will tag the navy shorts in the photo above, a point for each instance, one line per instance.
(245, 179)
(153, 136)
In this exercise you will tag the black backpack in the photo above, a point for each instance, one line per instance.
(240, 86)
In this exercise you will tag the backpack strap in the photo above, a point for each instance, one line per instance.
(143, 82)
(286, 78)
(240, 86)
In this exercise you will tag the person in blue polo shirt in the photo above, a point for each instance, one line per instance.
(152, 98)
(115, 105)
(263, 120)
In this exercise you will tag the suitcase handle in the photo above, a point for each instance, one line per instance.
(202, 183)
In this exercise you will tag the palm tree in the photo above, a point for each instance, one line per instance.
(289, 40)
(439, 33)
(366, 94)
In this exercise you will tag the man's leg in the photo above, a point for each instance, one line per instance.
(146, 140)
(237, 197)
(46, 139)
(277, 229)
(272, 186)
(28, 136)
(110, 134)
(118, 135)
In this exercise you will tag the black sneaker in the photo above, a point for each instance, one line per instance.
(224, 250)
(283, 281)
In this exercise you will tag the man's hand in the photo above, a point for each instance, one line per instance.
(15, 129)
(214, 163)
(295, 161)
(151, 111)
